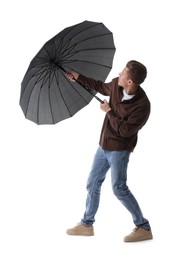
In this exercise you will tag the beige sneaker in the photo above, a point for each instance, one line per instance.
(81, 230)
(138, 234)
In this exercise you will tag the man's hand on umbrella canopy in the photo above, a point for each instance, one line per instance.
(72, 75)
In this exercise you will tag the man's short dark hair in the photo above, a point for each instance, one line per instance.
(137, 71)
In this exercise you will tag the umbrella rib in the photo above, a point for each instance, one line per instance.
(38, 73)
(33, 88)
(49, 91)
(41, 66)
(47, 52)
(70, 54)
(38, 79)
(98, 24)
(74, 45)
(42, 84)
(44, 79)
(90, 62)
(78, 92)
(87, 89)
(46, 70)
(62, 94)
(74, 90)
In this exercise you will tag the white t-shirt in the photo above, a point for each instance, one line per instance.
(126, 96)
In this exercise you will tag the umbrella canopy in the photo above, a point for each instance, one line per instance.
(47, 96)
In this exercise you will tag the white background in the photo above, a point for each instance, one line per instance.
(43, 169)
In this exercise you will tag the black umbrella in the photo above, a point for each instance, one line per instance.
(47, 96)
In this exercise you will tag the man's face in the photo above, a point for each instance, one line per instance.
(123, 78)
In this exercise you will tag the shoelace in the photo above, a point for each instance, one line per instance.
(135, 229)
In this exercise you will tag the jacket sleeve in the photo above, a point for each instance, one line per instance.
(97, 85)
(135, 121)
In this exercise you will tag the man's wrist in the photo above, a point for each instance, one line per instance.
(108, 110)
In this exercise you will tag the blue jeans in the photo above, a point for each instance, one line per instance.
(117, 161)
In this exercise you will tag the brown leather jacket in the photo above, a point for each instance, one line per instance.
(125, 119)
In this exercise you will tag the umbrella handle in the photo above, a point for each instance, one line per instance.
(101, 101)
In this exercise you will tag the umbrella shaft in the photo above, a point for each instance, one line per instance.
(101, 101)
(61, 68)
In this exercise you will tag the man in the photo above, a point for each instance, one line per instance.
(127, 112)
